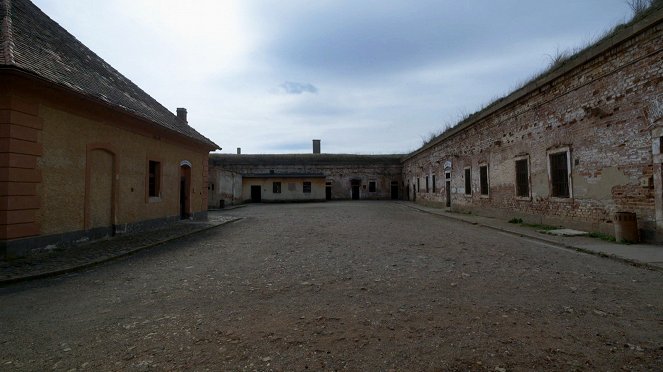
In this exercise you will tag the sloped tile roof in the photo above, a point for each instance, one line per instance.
(33, 42)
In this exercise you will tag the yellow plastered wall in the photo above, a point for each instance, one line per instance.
(291, 189)
(66, 137)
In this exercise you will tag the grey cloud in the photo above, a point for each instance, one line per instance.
(371, 38)
(291, 87)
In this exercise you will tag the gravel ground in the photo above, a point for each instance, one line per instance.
(340, 285)
(60, 259)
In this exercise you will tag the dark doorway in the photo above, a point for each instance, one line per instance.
(394, 190)
(185, 184)
(355, 189)
(256, 194)
(407, 192)
(355, 192)
(328, 192)
(448, 190)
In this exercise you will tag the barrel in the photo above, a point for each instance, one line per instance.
(626, 227)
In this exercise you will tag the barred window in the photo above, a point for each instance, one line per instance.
(434, 184)
(559, 174)
(371, 186)
(468, 181)
(154, 179)
(276, 187)
(307, 187)
(522, 178)
(483, 179)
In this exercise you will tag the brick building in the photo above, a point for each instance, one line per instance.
(571, 147)
(84, 152)
(302, 177)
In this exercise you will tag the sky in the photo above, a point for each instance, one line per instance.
(363, 76)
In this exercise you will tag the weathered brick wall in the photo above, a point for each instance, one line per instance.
(339, 173)
(602, 108)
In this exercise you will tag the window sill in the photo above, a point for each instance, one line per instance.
(524, 198)
(154, 199)
(485, 196)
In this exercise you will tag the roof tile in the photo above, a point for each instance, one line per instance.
(31, 41)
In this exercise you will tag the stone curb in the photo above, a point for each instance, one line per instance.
(228, 208)
(4, 282)
(521, 234)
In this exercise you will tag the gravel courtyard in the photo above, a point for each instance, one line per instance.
(340, 285)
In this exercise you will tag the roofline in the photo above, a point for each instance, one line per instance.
(593, 51)
(309, 158)
(283, 175)
(36, 77)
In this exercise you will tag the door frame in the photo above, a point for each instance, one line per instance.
(107, 147)
(253, 193)
(355, 185)
(185, 190)
(394, 187)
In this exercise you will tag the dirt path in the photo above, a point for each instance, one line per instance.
(343, 285)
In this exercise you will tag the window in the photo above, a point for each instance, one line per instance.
(371, 186)
(433, 183)
(276, 187)
(154, 179)
(483, 179)
(522, 178)
(426, 183)
(418, 184)
(468, 181)
(559, 174)
(307, 187)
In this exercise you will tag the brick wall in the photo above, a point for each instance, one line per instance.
(603, 108)
(340, 173)
(20, 149)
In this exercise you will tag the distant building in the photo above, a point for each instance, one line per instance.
(244, 178)
(84, 152)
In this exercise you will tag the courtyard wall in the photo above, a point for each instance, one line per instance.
(371, 175)
(600, 113)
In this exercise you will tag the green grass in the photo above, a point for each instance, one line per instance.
(519, 221)
(602, 236)
(539, 226)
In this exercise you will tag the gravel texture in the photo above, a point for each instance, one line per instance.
(59, 259)
(340, 285)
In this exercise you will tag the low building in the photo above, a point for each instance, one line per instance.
(242, 178)
(84, 152)
(573, 147)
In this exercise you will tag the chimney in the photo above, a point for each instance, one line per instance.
(239, 151)
(181, 115)
(316, 146)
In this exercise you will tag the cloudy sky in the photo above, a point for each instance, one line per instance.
(364, 76)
